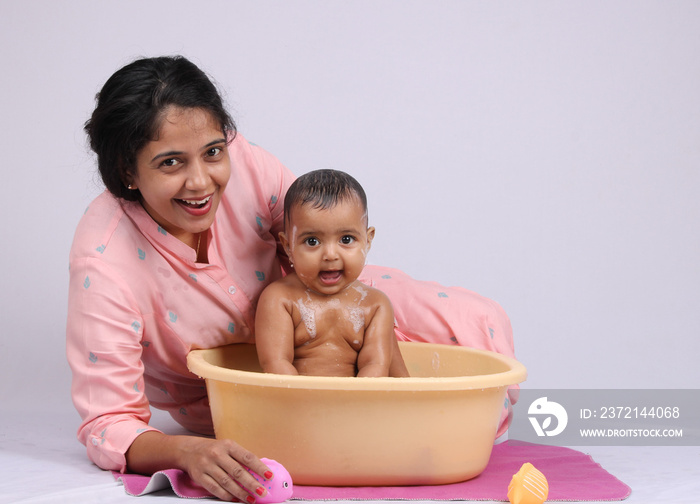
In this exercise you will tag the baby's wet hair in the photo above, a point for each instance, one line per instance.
(323, 189)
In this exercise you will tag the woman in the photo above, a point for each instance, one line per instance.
(173, 256)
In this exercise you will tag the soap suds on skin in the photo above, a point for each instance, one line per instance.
(355, 315)
(308, 316)
(362, 291)
(357, 318)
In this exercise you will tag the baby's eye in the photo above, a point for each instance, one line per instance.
(311, 242)
(347, 239)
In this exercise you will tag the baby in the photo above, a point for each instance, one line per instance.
(320, 320)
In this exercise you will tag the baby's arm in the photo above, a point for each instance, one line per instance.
(274, 331)
(377, 349)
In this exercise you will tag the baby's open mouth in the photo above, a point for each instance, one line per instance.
(330, 276)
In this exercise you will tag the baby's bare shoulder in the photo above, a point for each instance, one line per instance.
(283, 289)
(374, 298)
(376, 294)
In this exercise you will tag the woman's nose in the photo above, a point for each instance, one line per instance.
(197, 176)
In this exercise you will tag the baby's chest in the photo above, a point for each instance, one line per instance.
(330, 326)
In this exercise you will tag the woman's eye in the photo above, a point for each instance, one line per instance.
(214, 151)
(347, 240)
(170, 162)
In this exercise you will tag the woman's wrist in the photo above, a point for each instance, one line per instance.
(155, 451)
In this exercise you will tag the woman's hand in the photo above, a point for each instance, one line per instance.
(219, 466)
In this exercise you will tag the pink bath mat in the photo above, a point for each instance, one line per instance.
(572, 476)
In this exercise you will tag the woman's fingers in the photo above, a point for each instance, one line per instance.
(225, 486)
(225, 475)
(246, 458)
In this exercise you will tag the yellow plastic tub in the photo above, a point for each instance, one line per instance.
(436, 427)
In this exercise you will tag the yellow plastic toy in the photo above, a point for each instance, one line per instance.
(528, 486)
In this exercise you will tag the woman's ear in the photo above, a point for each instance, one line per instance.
(129, 182)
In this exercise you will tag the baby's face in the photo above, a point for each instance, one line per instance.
(328, 247)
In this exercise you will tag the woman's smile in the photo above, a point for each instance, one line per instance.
(182, 174)
(196, 207)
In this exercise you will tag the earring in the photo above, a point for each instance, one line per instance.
(130, 187)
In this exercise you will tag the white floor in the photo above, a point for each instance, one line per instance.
(42, 462)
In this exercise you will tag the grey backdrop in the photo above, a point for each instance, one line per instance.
(544, 154)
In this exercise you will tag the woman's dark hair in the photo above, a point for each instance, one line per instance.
(323, 189)
(130, 108)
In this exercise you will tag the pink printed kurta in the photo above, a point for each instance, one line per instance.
(138, 303)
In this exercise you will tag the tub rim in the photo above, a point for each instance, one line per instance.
(516, 373)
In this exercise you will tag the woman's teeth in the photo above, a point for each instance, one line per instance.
(196, 202)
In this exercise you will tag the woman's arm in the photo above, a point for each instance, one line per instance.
(103, 347)
(104, 350)
(258, 168)
(216, 465)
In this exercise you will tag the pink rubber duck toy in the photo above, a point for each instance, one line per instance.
(279, 488)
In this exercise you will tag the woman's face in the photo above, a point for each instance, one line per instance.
(183, 172)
